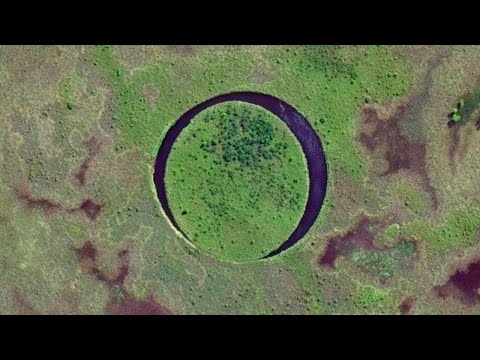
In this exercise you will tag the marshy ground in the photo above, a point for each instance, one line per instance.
(82, 230)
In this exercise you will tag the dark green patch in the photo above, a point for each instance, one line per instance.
(458, 112)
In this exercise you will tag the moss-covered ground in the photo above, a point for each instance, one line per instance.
(82, 230)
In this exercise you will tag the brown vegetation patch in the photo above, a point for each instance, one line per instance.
(406, 305)
(404, 152)
(401, 153)
(87, 252)
(463, 285)
(48, 206)
(87, 255)
(81, 174)
(454, 142)
(121, 302)
(126, 304)
(359, 237)
(24, 307)
(93, 147)
(91, 209)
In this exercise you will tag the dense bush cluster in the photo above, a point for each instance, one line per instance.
(245, 136)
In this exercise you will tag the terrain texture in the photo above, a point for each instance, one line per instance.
(82, 230)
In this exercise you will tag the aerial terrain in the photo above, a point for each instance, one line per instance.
(194, 179)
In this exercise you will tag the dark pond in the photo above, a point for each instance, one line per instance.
(300, 127)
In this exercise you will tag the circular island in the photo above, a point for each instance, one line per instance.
(245, 179)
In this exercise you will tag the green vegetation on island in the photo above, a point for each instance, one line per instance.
(237, 181)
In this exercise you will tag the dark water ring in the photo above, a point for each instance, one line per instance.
(298, 125)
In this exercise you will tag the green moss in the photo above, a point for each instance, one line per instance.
(458, 111)
(392, 230)
(372, 299)
(390, 235)
(390, 78)
(74, 231)
(237, 181)
(385, 262)
(315, 306)
(142, 125)
(322, 82)
(108, 65)
(465, 108)
(457, 231)
(331, 84)
(417, 201)
(66, 93)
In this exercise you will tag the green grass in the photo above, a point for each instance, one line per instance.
(330, 84)
(385, 262)
(74, 231)
(50, 109)
(458, 230)
(237, 181)
(327, 84)
(465, 108)
(412, 197)
(457, 111)
(66, 93)
(315, 306)
(372, 299)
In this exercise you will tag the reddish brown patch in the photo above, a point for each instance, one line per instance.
(24, 307)
(81, 175)
(444, 291)
(406, 305)
(401, 153)
(93, 147)
(91, 209)
(122, 274)
(121, 301)
(87, 252)
(463, 284)
(87, 255)
(90, 266)
(95, 271)
(128, 305)
(46, 205)
(360, 237)
(124, 267)
(330, 255)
